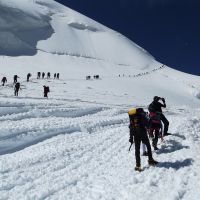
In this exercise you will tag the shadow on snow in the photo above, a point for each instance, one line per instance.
(176, 165)
(172, 147)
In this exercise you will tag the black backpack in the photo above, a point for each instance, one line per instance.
(151, 108)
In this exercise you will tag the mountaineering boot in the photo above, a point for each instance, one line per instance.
(156, 148)
(138, 168)
(152, 162)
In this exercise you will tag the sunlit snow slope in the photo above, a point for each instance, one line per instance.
(43, 35)
(31, 25)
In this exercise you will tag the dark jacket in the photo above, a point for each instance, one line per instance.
(46, 89)
(4, 79)
(17, 86)
(156, 106)
(139, 124)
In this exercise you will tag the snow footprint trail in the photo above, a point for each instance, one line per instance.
(176, 174)
(66, 166)
(36, 123)
(73, 157)
(94, 162)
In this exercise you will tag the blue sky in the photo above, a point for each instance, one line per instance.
(168, 29)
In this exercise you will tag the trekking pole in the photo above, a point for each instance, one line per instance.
(130, 147)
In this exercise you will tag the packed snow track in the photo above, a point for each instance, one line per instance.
(57, 149)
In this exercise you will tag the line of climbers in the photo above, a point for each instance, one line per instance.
(56, 75)
(89, 77)
(144, 126)
(142, 74)
(17, 85)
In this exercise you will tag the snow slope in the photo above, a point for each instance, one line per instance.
(28, 26)
(74, 145)
(70, 148)
(43, 35)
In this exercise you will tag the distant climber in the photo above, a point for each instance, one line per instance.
(58, 75)
(4, 80)
(96, 76)
(15, 78)
(28, 77)
(46, 91)
(156, 107)
(88, 77)
(54, 76)
(43, 74)
(16, 88)
(38, 75)
(48, 75)
(138, 124)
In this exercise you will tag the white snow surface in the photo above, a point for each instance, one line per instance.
(43, 35)
(74, 145)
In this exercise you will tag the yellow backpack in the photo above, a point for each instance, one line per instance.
(135, 117)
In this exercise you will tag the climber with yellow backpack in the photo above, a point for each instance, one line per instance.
(138, 132)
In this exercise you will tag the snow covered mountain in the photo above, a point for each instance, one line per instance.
(74, 145)
(43, 35)
(43, 25)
